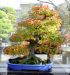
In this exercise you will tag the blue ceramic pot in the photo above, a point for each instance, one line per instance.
(39, 67)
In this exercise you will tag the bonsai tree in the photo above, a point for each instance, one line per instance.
(39, 33)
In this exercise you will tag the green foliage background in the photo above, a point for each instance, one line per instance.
(7, 21)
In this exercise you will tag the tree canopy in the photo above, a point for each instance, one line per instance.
(9, 10)
(11, 13)
(7, 21)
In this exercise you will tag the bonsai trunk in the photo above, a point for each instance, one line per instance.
(48, 57)
(32, 45)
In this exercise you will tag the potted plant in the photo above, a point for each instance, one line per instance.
(39, 32)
